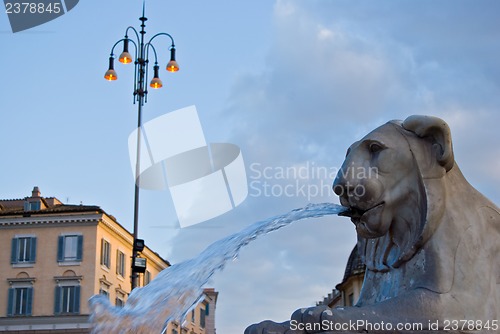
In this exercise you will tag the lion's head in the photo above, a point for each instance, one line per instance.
(383, 181)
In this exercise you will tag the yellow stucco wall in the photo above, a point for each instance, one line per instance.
(44, 271)
(46, 267)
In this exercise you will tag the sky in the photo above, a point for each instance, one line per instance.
(292, 83)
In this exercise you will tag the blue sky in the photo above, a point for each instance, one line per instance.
(293, 83)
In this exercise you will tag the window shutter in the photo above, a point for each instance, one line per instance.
(117, 262)
(29, 301)
(102, 251)
(10, 306)
(60, 244)
(79, 250)
(109, 256)
(77, 299)
(57, 300)
(13, 254)
(202, 318)
(33, 249)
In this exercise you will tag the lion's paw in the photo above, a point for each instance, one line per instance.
(270, 327)
(310, 319)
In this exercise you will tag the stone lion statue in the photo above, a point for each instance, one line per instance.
(430, 241)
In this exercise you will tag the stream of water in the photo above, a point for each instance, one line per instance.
(176, 289)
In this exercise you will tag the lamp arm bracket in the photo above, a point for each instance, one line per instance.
(118, 42)
(135, 45)
(163, 34)
(135, 31)
(147, 46)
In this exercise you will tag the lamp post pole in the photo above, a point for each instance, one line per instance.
(141, 61)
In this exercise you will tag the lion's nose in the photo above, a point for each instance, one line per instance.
(337, 187)
(343, 188)
(339, 184)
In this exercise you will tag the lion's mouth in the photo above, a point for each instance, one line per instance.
(356, 213)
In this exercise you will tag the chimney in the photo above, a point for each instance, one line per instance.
(36, 192)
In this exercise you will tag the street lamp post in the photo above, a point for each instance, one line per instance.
(141, 61)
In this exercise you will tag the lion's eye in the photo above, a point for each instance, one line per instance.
(375, 147)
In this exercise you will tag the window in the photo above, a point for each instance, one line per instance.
(202, 318)
(120, 263)
(104, 292)
(174, 331)
(351, 299)
(23, 250)
(31, 206)
(67, 299)
(70, 248)
(119, 302)
(20, 301)
(147, 277)
(120, 298)
(104, 287)
(192, 316)
(105, 253)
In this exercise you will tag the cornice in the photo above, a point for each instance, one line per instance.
(6, 222)
(119, 230)
(80, 220)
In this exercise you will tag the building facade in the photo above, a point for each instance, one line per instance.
(347, 292)
(56, 256)
(201, 319)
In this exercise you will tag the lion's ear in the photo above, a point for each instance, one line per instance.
(438, 130)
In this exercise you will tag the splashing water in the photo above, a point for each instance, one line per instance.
(176, 289)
